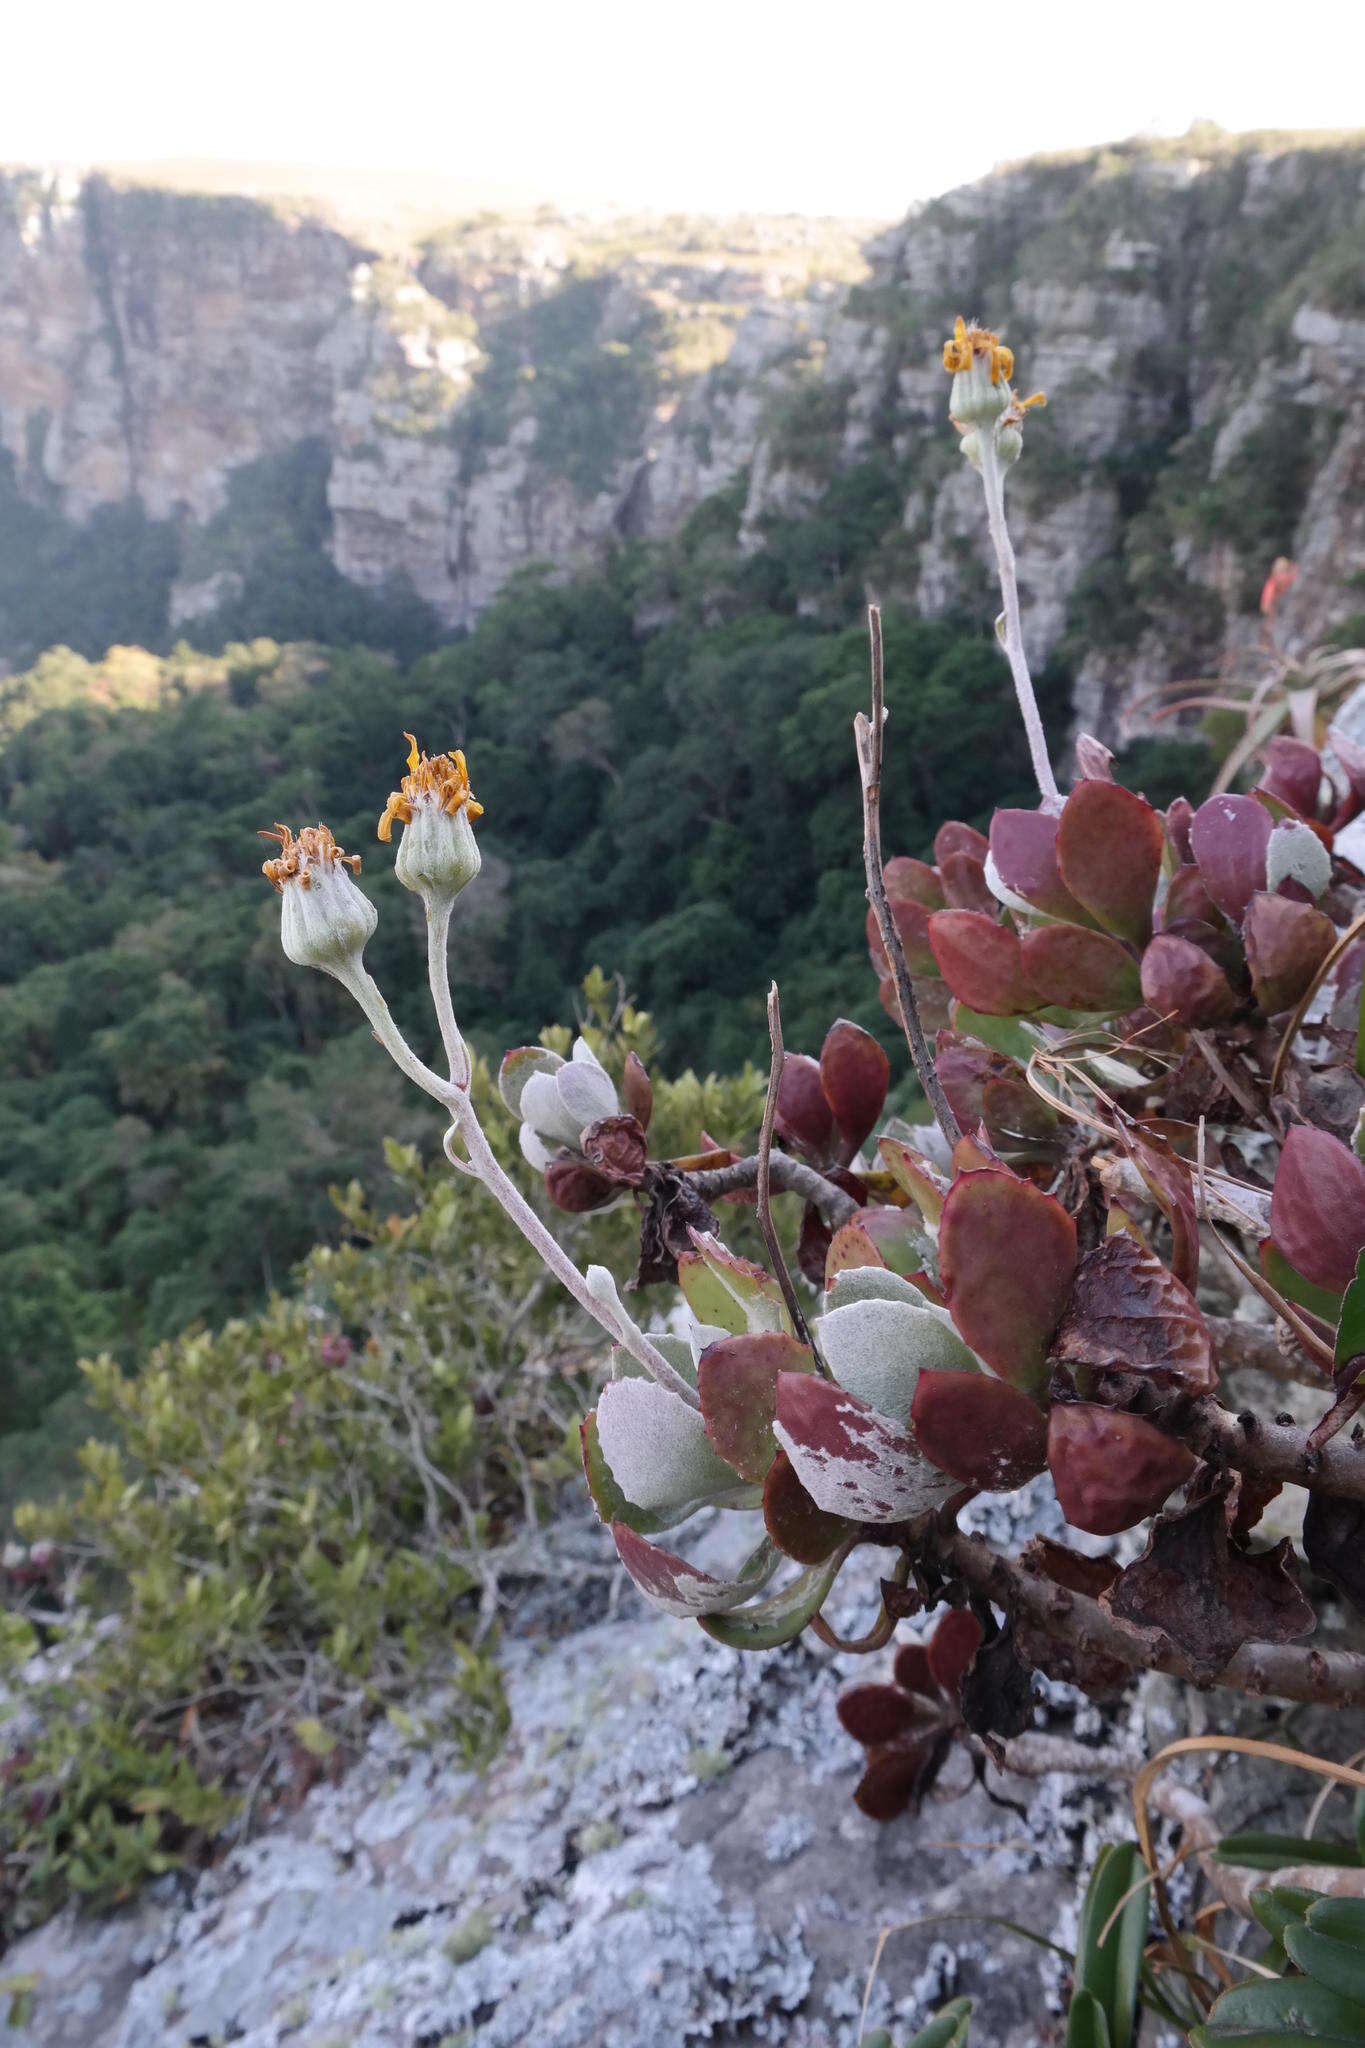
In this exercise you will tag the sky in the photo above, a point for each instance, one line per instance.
(853, 107)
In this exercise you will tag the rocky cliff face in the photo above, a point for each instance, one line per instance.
(542, 390)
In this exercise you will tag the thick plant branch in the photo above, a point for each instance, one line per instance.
(867, 736)
(1273, 1451)
(787, 1175)
(1333, 1678)
(765, 1146)
(1254, 1347)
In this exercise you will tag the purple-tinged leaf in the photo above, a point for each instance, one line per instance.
(670, 1583)
(637, 1091)
(1179, 980)
(1179, 818)
(900, 1773)
(1111, 1470)
(1094, 761)
(1188, 898)
(1171, 1186)
(1024, 850)
(1229, 836)
(956, 838)
(982, 962)
(850, 1461)
(575, 1187)
(1007, 1255)
(965, 885)
(804, 1118)
(797, 1526)
(980, 1430)
(1286, 943)
(1317, 1207)
(951, 1646)
(1129, 1313)
(851, 1246)
(1293, 773)
(906, 877)
(737, 1383)
(812, 1245)
(911, 1669)
(873, 1714)
(1109, 847)
(855, 1074)
(1072, 968)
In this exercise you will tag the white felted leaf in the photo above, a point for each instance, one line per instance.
(534, 1148)
(1295, 853)
(586, 1093)
(657, 1448)
(870, 1283)
(877, 1349)
(543, 1109)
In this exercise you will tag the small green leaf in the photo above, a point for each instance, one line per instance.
(1279, 1906)
(1281, 2013)
(314, 1737)
(1254, 1851)
(1086, 2025)
(1340, 1965)
(950, 2028)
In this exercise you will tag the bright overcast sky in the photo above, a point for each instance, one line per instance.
(851, 106)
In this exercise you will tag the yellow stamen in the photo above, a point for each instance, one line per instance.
(969, 342)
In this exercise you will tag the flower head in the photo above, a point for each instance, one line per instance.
(436, 808)
(982, 397)
(324, 919)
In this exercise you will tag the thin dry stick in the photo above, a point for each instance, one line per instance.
(765, 1146)
(868, 740)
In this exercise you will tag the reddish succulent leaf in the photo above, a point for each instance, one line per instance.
(911, 1171)
(1171, 1186)
(812, 1245)
(911, 1669)
(996, 1692)
(965, 885)
(617, 1147)
(1229, 836)
(955, 837)
(1187, 897)
(1060, 1657)
(1180, 980)
(1129, 1313)
(906, 877)
(1013, 1115)
(1286, 943)
(1179, 818)
(1024, 850)
(982, 1431)
(851, 1245)
(1109, 847)
(1193, 1586)
(1317, 1208)
(911, 919)
(951, 1647)
(873, 1713)
(1007, 1256)
(1110, 1469)
(1293, 772)
(975, 1155)
(637, 1091)
(799, 1528)
(964, 1066)
(1074, 968)
(737, 1385)
(1094, 761)
(898, 1775)
(804, 1118)
(855, 1074)
(850, 1460)
(671, 1583)
(982, 962)
(575, 1187)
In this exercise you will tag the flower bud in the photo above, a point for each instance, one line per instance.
(982, 368)
(324, 919)
(434, 804)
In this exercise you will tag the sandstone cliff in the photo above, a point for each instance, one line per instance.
(541, 390)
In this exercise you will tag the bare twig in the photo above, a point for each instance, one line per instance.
(787, 1176)
(1272, 1451)
(1254, 1347)
(765, 1146)
(1279, 1670)
(867, 736)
